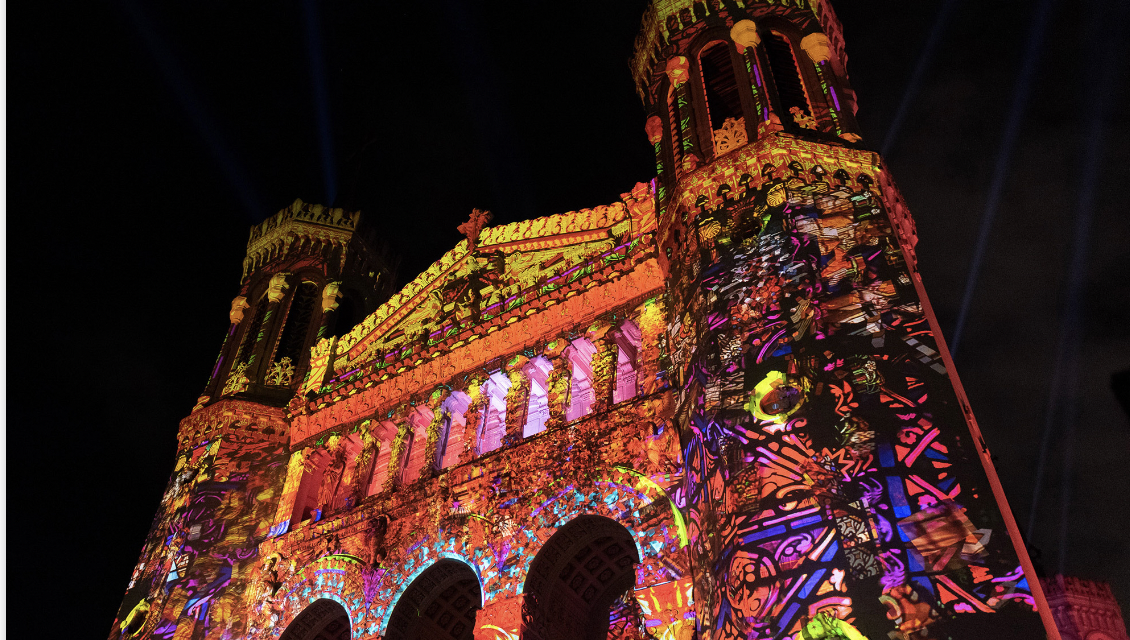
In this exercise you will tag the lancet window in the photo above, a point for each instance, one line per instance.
(492, 427)
(415, 444)
(385, 432)
(723, 101)
(788, 79)
(676, 130)
(251, 334)
(306, 501)
(298, 322)
(581, 397)
(537, 371)
(628, 340)
(450, 442)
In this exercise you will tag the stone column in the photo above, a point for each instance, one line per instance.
(603, 373)
(678, 71)
(517, 404)
(746, 39)
(557, 387)
(473, 417)
(363, 464)
(431, 465)
(815, 46)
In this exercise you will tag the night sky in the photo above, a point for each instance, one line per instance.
(145, 138)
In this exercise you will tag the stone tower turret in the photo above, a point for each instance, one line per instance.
(815, 389)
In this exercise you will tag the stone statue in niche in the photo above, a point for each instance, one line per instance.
(276, 289)
(237, 306)
(330, 295)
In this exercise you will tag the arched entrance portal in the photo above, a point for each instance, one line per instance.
(576, 582)
(440, 604)
(324, 619)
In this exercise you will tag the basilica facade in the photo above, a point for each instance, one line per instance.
(718, 408)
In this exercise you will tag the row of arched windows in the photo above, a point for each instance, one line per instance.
(301, 315)
(355, 469)
(715, 101)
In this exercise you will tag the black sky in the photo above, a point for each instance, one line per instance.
(144, 139)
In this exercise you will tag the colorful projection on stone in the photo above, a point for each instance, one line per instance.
(714, 410)
(828, 465)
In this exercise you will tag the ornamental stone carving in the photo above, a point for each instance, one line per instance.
(744, 34)
(678, 70)
(330, 296)
(816, 46)
(238, 304)
(276, 290)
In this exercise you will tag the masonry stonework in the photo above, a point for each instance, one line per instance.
(717, 408)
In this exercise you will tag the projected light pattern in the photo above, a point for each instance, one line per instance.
(824, 444)
(717, 408)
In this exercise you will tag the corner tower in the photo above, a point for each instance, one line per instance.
(310, 272)
(836, 483)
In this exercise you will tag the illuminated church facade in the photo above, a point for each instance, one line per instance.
(718, 408)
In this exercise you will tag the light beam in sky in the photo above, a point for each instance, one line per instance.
(916, 78)
(196, 111)
(315, 49)
(1016, 110)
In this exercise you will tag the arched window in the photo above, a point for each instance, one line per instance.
(537, 371)
(723, 102)
(384, 433)
(251, 334)
(297, 326)
(306, 500)
(787, 78)
(415, 445)
(581, 397)
(493, 425)
(628, 340)
(450, 443)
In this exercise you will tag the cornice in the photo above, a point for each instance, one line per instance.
(205, 422)
(370, 391)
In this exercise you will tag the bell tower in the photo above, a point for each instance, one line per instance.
(824, 429)
(310, 272)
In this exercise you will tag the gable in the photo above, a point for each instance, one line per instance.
(510, 263)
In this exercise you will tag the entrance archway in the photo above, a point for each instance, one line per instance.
(324, 619)
(577, 580)
(440, 604)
